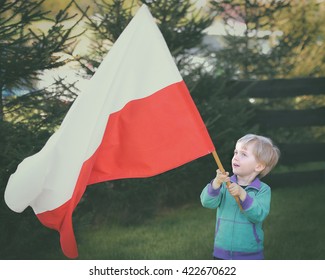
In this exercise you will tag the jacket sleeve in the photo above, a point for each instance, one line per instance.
(256, 208)
(211, 198)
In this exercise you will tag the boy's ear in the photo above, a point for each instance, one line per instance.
(260, 167)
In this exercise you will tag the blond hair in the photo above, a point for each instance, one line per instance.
(264, 150)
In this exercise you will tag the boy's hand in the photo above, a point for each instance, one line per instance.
(220, 178)
(236, 190)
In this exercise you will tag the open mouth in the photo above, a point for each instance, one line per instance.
(235, 165)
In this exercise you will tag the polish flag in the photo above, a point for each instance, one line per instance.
(134, 118)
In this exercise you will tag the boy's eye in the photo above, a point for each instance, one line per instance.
(240, 153)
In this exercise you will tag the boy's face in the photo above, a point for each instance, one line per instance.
(244, 162)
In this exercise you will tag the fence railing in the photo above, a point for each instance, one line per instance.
(291, 153)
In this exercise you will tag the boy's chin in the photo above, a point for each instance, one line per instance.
(234, 172)
(237, 173)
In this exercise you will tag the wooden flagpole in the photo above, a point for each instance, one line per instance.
(220, 166)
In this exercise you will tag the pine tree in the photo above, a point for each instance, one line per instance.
(277, 38)
(181, 24)
(26, 50)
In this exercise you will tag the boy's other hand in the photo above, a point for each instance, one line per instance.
(236, 190)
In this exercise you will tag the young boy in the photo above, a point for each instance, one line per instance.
(239, 233)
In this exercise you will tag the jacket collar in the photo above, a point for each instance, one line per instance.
(256, 184)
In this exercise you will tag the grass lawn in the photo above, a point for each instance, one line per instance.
(295, 229)
(185, 233)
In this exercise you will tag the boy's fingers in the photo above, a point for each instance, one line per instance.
(223, 173)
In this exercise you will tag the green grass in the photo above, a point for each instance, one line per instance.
(185, 233)
(295, 229)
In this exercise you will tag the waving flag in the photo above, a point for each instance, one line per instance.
(135, 118)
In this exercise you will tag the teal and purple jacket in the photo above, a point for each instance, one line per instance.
(239, 234)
